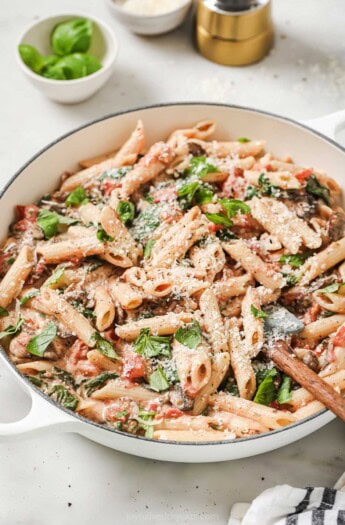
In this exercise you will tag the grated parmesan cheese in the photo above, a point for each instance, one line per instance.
(151, 7)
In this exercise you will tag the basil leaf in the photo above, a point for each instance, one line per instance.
(243, 140)
(39, 344)
(31, 57)
(77, 197)
(70, 67)
(218, 218)
(148, 248)
(63, 375)
(294, 260)
(203, 194)
(290, 279)
(126, 211)
(313, 187)
(189, 335)
(200, 166)
(194, 191)
(3, 312)
(258, 314)
(147, 221)
(12, 329)
(233, 206)
(97, 382)
(331, 288)
(104, 346)
(115, 173)
(151, 345)
(29, 296)
(103, 236)
(158, 381)
(55, 276)
(64, 397)
(266, 188)
(284, 392)
(266, 391)
(49, 222)
(71, 36)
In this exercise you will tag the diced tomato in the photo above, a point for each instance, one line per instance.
(153, 406)
(213, 228)
(29, 212)
(165, 194)
(304, 175)
(113, 412)
(339, 338)
(134, 366)
(330, 353)
(171, 413)
(77, 362)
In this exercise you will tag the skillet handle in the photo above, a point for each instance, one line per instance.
(329, 125)
(41, 417)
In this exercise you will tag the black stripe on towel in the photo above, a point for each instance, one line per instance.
(328, 499)
(292, 518)
(318, 517)
(341, 517)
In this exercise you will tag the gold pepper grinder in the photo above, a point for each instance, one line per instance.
(234, 32)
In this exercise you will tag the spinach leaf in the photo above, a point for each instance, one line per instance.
(39, 344)
(158, 381)
(55, 276)
(63, 375)
(151, 345)
(233, 206)
(97, 382)
(12, 329)
(103, 236)
(296, 260)
(189, 335)
(148, 248)
(31, 57)
(35, 381)
(105, 347)
(50, 222)
(313, 187)
(77, 197)
(257, 313)
(266, 391)
(243, 140)
(72, 36)
(126, 211)
(200, 166)
(284, 392)
(64, 397)
(3, 312)
(218, 218)
(266, 188)
(29, 296)
(290, 278)
(147, 221)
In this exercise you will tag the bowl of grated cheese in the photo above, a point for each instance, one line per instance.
(150, 17)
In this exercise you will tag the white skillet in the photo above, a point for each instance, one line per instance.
(41, 174)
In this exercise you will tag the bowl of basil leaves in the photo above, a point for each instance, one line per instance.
(68, 57)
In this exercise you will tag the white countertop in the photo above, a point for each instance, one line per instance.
(66, 479)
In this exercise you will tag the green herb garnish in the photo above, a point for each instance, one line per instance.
(72, 36)
(3, 312)
(151, 345)
(218, 218)
(266, 391)
(296, 260)
(158, 381)
(39, 344)
(63, 396)
(331, 288)
(266, 188)
(51, 222)
(12, 329)
(284, 392)
(103, 236)
(29, 296)
(104, 346)
(148, 248)
(189, 335)
(126, 211)
(200, 167)
(77, 197)
(257, 313)
(55, 276)
(115, 173)
(194, 192)
(243, 140)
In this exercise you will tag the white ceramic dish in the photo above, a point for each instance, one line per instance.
(103, 45)
(150, 25)
(40, 175)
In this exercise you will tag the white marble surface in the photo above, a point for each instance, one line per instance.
(303, 77)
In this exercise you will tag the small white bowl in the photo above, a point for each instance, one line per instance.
(151, 24)
(103, 45)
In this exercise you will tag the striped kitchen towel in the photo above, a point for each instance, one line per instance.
(285, 505)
